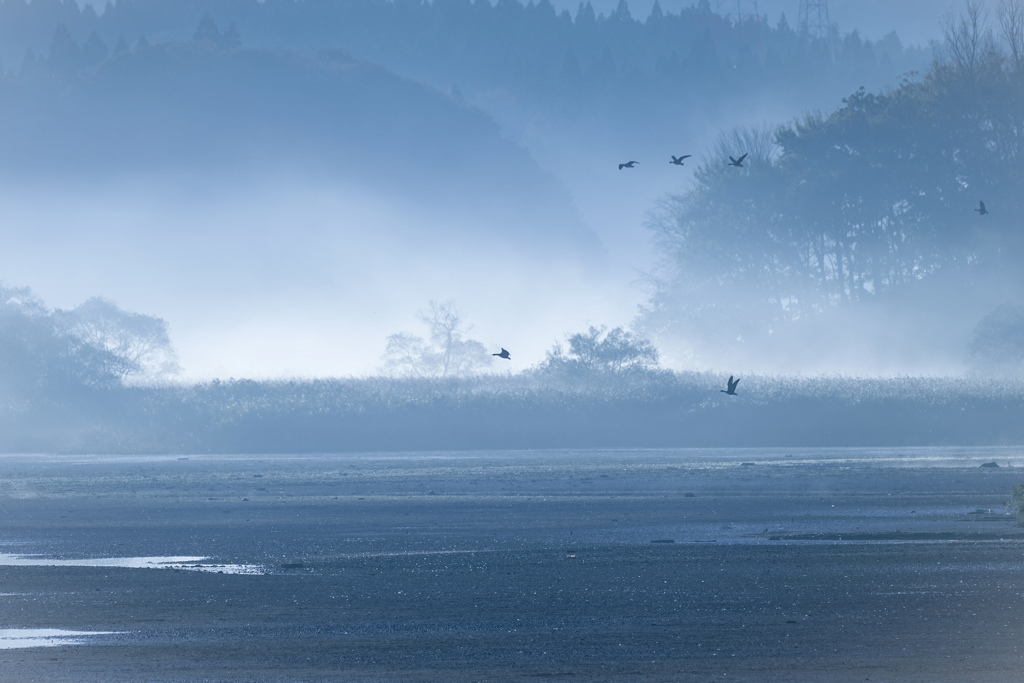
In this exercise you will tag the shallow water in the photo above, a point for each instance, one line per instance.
(792, 564)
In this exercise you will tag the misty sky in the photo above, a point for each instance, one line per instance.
(296, 276)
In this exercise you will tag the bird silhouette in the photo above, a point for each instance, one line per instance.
(678, 161)
(504, 354)
(628, 164)
(738, 163)
(981, 209)
(732, 386)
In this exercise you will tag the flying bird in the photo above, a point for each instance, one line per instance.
(628, 164)
(981, 209)
(738, 163)
(504, 354)
(732, 386)
(678, 161)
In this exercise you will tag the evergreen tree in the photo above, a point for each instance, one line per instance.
(657, 15)
(65, 54)
(94, 50)
(621, 13)
(207, 33)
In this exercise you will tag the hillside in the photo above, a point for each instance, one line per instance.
(194, 107)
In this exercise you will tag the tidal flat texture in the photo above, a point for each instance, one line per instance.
(753, 565)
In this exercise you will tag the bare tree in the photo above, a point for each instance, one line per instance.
(968, 42)
(446, 326)
(446, 354)
(1011, 25)
(756, 141)
(405, 355)
(140, 345)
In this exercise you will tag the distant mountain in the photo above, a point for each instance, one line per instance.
(609, 72)
(173, 108)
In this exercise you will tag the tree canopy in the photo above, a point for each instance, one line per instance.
(861, 204)
(55, 353)
(600, 356)
(446, 352)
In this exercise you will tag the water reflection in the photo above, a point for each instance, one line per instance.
(184, 563)
(15, 638)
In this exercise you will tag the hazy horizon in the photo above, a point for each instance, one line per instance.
(280, 246)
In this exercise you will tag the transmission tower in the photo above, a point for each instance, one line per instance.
(745, 10)
(813, 18)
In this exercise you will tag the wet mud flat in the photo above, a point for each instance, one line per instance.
(770, 565)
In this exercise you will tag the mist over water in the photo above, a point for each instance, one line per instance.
(293, 277)
(458, 340)
(286, 199)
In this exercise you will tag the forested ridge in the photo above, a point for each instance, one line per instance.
(875, 208)
(100, 379)
(510, 58)
(869, 213)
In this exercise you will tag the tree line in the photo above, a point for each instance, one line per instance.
(865, 203)
(572, 64)
(598, 357)
(82, 380)
(56, 355)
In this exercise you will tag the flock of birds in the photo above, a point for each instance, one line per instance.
(738, 163)
(678, 161)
